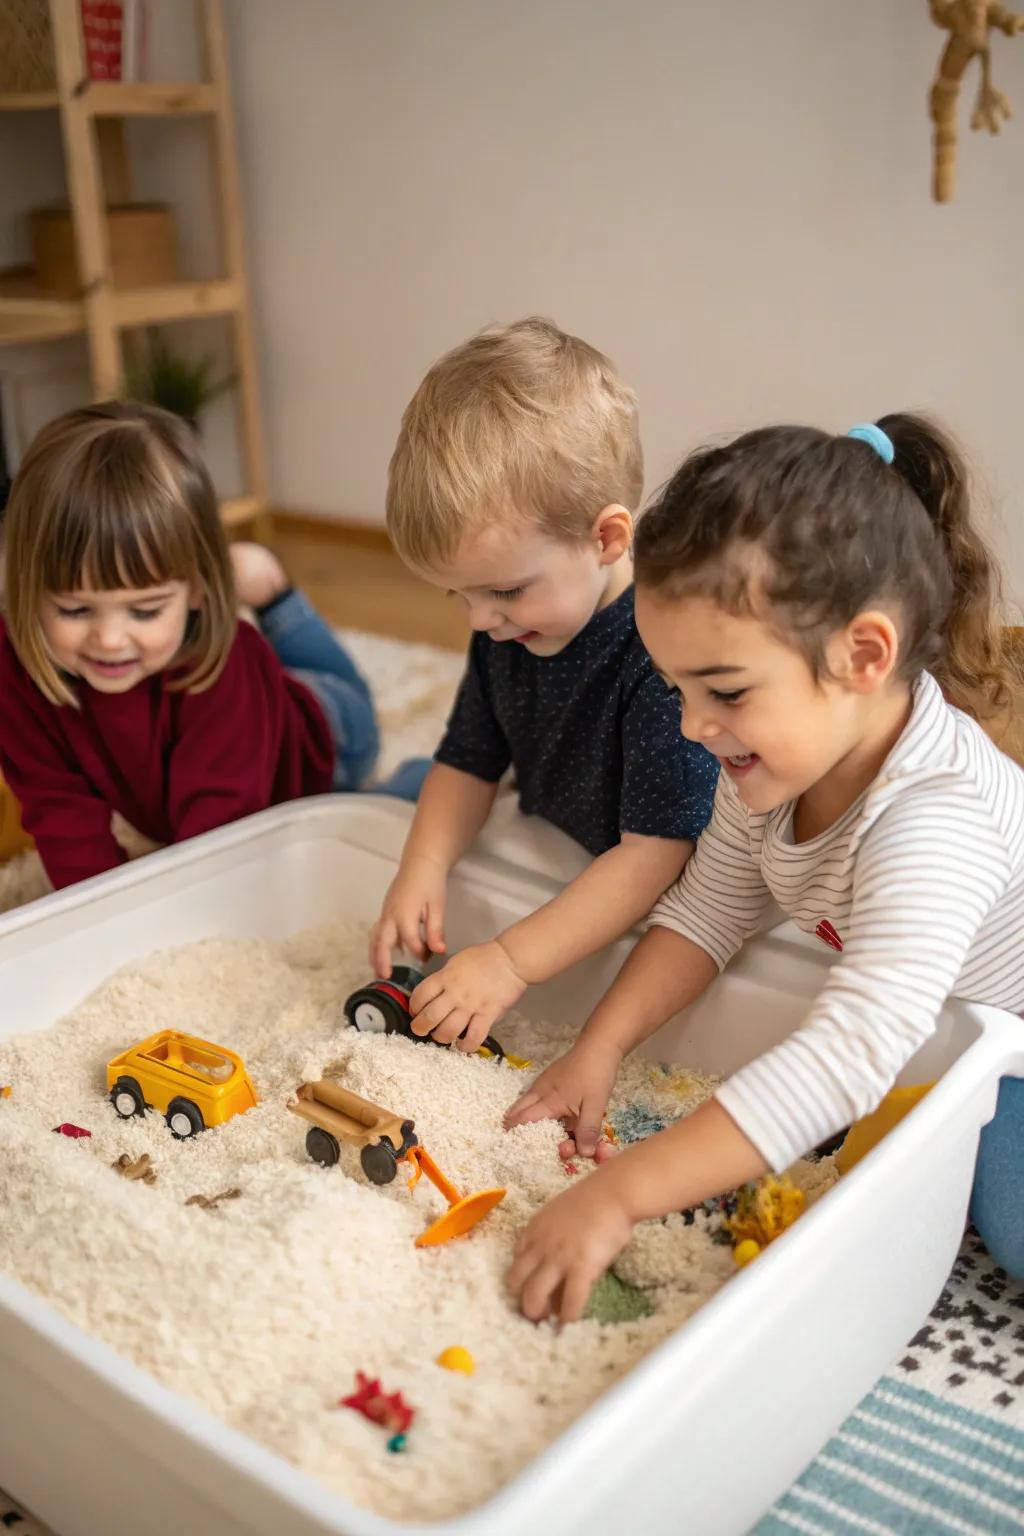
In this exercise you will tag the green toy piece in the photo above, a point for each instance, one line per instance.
(615, 1301)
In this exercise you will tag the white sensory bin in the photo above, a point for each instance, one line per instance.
(706, 1431)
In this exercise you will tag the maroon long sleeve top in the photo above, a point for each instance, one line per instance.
(173, 764)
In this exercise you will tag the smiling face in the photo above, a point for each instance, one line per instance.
(114, 639)
(522, 585)
(753, 701)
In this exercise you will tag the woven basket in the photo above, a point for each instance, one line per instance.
(26, 46)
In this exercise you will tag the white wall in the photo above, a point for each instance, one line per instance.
(733, 200)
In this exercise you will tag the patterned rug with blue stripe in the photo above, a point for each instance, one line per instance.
(937, 1449)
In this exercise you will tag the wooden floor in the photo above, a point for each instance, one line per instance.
(355, 579)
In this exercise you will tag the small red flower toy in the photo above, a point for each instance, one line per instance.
(380, 1407)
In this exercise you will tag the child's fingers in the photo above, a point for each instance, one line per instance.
(436, 1010)
(382, 945)
(429, 988)
(589, 1126)
(520, 1267)
(411, 937)
(528, 1107)
(435, 925)
(538, 1289)
(575, 1291)
(454, 1023)
(586, 1137)
(475, 1033)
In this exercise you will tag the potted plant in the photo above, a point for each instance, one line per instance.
(159, 375)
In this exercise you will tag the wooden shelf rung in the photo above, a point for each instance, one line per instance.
(28, 101)
(32, 319)
(174, 301)
(111, 98)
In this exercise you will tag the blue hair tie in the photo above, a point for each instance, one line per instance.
(881, 442)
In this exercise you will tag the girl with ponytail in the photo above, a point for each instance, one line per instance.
(826, 611)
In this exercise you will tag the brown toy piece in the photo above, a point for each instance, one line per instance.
(968, 23)
(339, 1115)
(211, 1202)
(384, 1140)
(137, 1169)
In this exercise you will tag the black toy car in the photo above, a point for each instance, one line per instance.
(382, 1007)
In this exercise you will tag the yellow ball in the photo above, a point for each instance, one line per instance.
(455, 1358)
(745, 1251)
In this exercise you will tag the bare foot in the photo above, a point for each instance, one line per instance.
(259, 574)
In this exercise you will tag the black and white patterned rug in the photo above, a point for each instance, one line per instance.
(971, 1349)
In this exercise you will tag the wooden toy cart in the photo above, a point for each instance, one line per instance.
(336, 1114)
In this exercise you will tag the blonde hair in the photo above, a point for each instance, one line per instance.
(114, 496)
(521, 420)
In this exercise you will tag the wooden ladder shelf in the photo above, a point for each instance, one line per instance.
(91, 115)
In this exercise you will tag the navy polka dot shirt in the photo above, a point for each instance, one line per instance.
(592, 734)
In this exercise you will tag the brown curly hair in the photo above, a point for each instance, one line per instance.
(815, 529)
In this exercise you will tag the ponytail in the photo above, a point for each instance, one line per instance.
(819, 528)
(974, 668)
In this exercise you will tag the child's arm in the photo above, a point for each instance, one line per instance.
(665, 797)
(464, 999)
(60, 809)
(715, 905)
(454, 803)
(452, 808)
(571, 1242)
(664, 973)
(930, 871)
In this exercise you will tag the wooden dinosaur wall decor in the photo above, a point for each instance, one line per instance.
(968, 23)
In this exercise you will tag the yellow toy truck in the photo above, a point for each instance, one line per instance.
(192, 1083)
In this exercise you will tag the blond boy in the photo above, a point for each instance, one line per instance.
(513, 487)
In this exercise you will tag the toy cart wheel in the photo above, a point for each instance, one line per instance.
(379, 1162)
(184, 1119)
(376, 1013)
(322, 1147)
(126, 1097)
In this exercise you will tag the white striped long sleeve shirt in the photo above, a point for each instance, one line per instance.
(920, 885)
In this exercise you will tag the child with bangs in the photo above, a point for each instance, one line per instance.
(127, 683)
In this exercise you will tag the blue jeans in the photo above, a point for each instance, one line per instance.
(308, 648)
(997, 1201)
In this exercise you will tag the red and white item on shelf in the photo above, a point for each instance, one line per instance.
(114, 36)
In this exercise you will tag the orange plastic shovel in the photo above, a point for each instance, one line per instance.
(464, 1211)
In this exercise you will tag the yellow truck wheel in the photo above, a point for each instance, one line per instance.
(126, 1097)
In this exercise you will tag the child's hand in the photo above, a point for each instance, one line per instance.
(460, 1002)
(412, 916)
(567, 1246)
(574, 1089)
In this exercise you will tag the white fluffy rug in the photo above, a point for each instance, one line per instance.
(413, 686)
